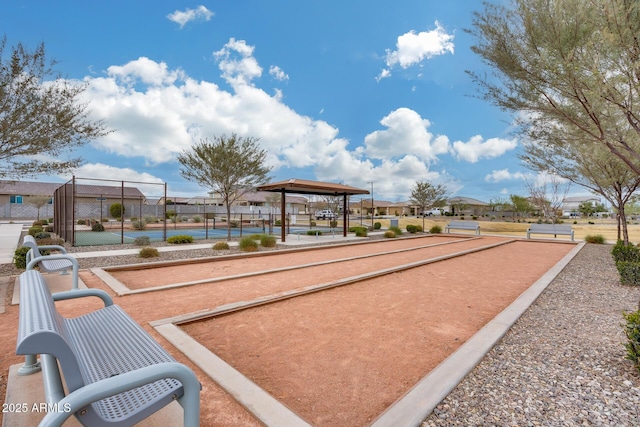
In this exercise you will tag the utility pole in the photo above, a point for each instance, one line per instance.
(372, 208)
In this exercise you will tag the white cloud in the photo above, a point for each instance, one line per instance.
(181, 18)
(412, 48)
(406, 132)
(383, 74)
(277, 73)
(237, 63)
(477, 148)
(504, 175)
(110, 173)
(158, 112)
(146, 71)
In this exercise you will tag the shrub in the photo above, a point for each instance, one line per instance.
(632, 330)
(97, 227)
(278, 223)
(197, 219)
(436, 229)
(314, 232)
(389, 234)
(180, 239)
(184, 218)
(396, 230)
(50, 241)
(597, 238)
(625, 252)
(377, 225)
(138, 225)
(34, 230)
(247, 244)
(148, 252)
(419, 229)
(629, 272)
(411, 228)
(311, 223)
(81, 222)
(142, 241)
(42, 235)
(116, 210)
(220, 246)
(333, 223)
(170, 214)
(267, 241)
(20, 257)
(361, 232)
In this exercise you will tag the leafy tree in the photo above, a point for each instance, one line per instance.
(39, 115)
(590, 166)
(117, 211)
(499, 205)
(426, 195)
(586, 208)
(230, 166)
(565, 65)
(520, 205)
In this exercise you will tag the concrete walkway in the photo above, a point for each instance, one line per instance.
(9, 240)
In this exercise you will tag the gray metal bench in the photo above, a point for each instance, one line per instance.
(554, 229)
(463, 225)
(115, 373)
(55, 262)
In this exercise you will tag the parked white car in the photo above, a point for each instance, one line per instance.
(326, 214)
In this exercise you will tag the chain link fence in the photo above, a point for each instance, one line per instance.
(91, 212)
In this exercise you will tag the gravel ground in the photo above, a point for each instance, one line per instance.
(563, 362)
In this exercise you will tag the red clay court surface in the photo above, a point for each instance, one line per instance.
(340, 356)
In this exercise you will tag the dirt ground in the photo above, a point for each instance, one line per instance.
(337, 357)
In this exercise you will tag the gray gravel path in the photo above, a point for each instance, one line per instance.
(563, 362)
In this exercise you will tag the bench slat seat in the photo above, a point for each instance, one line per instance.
(91, 348)
(555, 229)
(463, 225)
(50, 263)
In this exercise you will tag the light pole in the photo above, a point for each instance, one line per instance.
(372, 208)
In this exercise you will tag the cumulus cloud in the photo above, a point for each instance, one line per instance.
(157, 112)
(277, 73)
(504, 175)
(407, 132)
(477, 148)
(412, 48)
(182, 18)
(237, 63)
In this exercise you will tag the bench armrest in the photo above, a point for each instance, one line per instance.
(35, 261)
(81, 293)
(93, 392)
(54, 247)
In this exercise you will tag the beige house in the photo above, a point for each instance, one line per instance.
(23, 199)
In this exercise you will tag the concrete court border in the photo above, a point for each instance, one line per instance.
(121, 289)
(409, 410)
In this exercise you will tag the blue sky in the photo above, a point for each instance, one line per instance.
(342, 91)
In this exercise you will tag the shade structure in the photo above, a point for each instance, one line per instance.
(304, 186)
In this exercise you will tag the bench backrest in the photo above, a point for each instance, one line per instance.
(41, 326)
(465, 224)
(30, 242)
(561, 228)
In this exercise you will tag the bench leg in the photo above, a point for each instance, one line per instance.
(31, 365)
